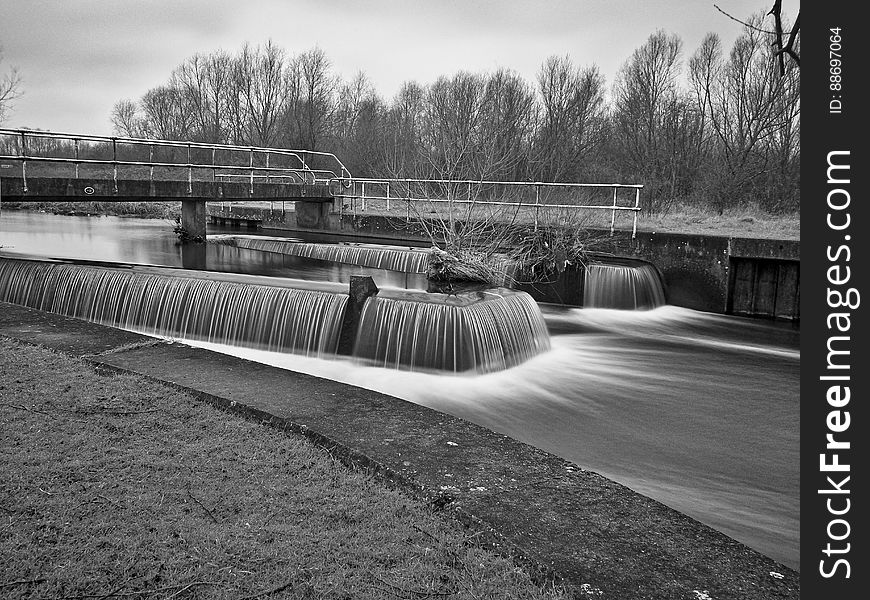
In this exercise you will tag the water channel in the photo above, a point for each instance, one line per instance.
(696, 410)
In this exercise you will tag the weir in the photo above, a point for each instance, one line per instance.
(483, 331)
(622, 286)
(391, 258)
(606, 282)
(187, 305)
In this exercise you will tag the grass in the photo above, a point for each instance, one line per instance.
(742, 221)
(116, 486)
(738, 221)
(146, 210)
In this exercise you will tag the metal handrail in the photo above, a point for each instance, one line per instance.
(294, 153)
(306, 174)
(351, 184)
(385, 180)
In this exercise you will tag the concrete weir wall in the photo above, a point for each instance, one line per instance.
(730, 275)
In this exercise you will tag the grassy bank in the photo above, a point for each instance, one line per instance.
(120, 487)
(146, 210)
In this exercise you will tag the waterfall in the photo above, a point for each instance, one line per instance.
(481, 331)
(625, 286)
(390, 258)
(280, 319)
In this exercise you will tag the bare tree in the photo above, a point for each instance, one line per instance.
(206, 81)
(10, 88)
(261, 81)
(750, 109)
(166, 114)
(312, 93)
(357, 132)
(401, 132)
(450, 128)
(127, 120)
(652, 120)
(507, 123)
(572, 117)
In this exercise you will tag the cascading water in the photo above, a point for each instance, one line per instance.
(280, 319)
(480, 331)
(391, 258)
(644, 397)
(625, 286)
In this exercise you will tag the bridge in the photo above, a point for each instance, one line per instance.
(44, 166)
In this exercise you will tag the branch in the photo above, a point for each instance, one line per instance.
(203, 506)
(744, 23)
(22, 582)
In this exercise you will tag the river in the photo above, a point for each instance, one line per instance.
(697, 410)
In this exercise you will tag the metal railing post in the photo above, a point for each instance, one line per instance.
(408, 216)
(636, 210)
(252, 172)
(115, 165)
(363, 196)
(76, 142)
(189, 173)
(388, 196)
(24, 160)
(151, 161)
(537, 203)
(613, 211)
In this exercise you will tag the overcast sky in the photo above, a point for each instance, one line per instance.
(78, 57)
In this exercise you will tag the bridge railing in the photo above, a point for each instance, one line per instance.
(518, 201)
(164, 158)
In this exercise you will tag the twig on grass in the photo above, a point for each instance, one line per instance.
(412, 593)
(119, 593)
(28, 409)
(274, 590)
(203, 506)
(22, 582)
(426, 533)
(114, 413)
(190, 585)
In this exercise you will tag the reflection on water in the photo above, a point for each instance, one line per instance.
(699, 411)
(152, 242)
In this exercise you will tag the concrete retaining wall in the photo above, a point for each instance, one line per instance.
(733, 275)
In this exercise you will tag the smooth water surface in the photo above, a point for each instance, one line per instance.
(153, 242)
(698, 411)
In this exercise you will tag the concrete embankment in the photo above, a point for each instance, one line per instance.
(594, 535)
(720, 274)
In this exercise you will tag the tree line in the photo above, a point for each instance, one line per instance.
(717, 128)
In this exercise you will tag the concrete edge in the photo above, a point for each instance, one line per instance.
(690, 554)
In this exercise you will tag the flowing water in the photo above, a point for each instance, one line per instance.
(391, 258)
(184, 304)
(486, 331)
(699, 411)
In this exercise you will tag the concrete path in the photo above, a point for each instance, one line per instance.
(597, 537)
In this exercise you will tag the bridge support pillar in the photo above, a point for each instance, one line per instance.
(193, 218)
(313, 214)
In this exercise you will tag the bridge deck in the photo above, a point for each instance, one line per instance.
(70, 189)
